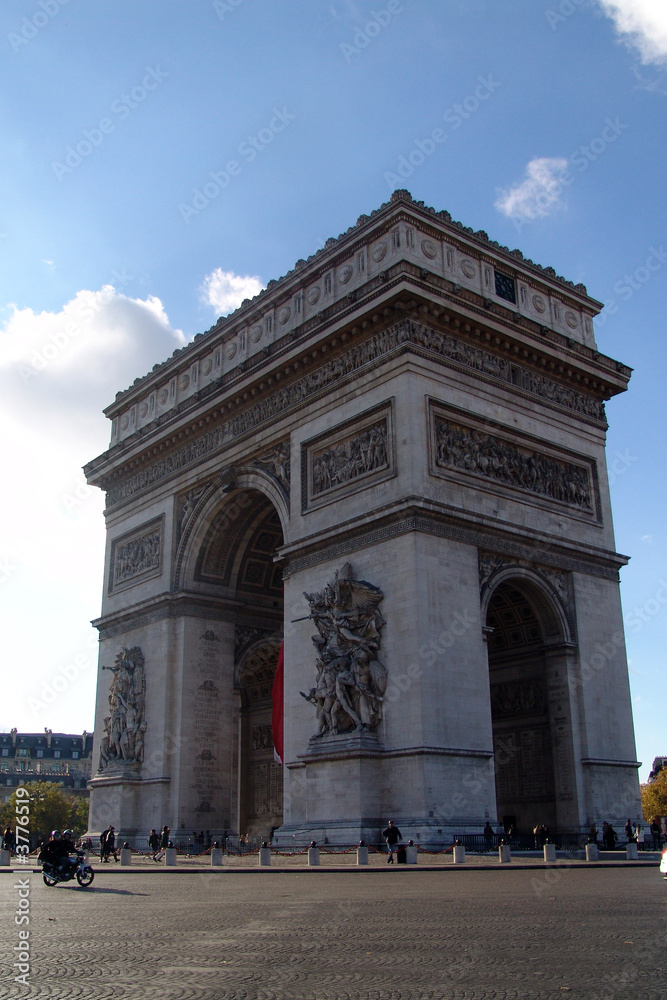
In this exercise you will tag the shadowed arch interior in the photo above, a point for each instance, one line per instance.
(239, 547)
(522, 738)
(261, 805)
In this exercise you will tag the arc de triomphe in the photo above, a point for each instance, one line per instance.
(394, 459)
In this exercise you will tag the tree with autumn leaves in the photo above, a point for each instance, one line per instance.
(654, 796)
(51, 808)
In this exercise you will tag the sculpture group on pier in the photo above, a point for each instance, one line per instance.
(125, 726)
(351, 680)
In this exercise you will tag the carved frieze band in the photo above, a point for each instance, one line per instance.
(404, 333)
(469, 448)
(353, 455)
(137, 556)
(433, 525)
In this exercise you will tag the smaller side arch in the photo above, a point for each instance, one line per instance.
(257, 655)
(553, 615)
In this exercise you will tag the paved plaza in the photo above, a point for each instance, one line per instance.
(390, 934)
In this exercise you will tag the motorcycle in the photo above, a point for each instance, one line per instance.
(78, 868)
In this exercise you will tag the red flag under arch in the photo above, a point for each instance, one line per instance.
(278, 697)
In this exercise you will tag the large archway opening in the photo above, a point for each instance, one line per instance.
(237, 557)
(520, 710)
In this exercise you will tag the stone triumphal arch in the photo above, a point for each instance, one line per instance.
(393, 460)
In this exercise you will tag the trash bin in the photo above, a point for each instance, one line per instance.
(401, 858)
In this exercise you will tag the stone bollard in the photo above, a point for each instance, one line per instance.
(592, 852)
(362, 854)
(550, 852)
(216, 857)
(505, 854)
(459, 854)
(5, 858)
(264, 855)
(125, 855)
(411, 854)
(170, 857)
(631, 852)
(313, 855)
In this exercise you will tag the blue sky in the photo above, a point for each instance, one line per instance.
(161, 160)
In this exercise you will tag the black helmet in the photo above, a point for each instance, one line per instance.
(68, 833)
(55, 834)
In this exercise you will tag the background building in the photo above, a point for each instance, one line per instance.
(61, 758)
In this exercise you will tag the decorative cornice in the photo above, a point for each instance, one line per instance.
(401, 202)
(175, 606)
(408, 518)
(604, 762)
(405, 335)
(337, 752)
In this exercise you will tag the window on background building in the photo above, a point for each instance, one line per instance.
(40, 753)
(75, 754)
(56, 753)
(21, 752)
(5, 751)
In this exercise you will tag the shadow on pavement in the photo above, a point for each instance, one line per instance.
(99, 890)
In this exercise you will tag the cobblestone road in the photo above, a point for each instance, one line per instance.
(322, 935)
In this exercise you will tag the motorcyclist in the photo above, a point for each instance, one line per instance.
(51, 853)
(66, 848)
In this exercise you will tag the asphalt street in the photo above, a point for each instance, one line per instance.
(451, 934)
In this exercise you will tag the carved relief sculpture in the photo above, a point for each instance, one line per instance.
(135, 557)
(351, 680)
(277, 464)
(367, 452)
(262, 738)
(125, 726)
(188, 505)
(469, 450)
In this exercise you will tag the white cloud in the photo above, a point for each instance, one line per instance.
(642, 24)
(537, 193)
(225, 291)
(57, 372)
(80, 356)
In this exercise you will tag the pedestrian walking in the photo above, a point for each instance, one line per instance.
(609, 837)
(9, 840)
(655, 833)
(392, 835)
(488, 836)
(639, 836)
(103, 846)
(108, 845)
(629, 832)
(164, 842)
(154, 843)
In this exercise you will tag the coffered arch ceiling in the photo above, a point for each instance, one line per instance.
(239, 546)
